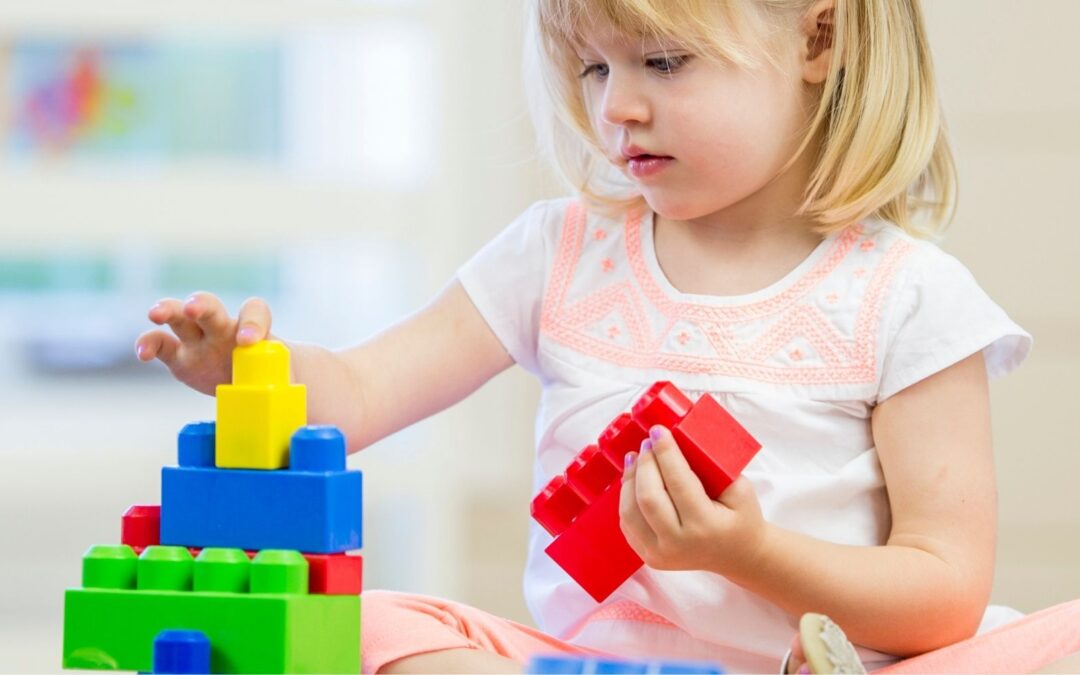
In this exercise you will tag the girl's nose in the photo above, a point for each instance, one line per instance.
(624, 103)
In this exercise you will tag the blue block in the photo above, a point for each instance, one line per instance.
(195, 445)
(613, 667)
(556, 665)
(309, 511)
(586, 665)
(181, 651)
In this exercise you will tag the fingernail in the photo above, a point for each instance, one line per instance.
(656, 433)
(139, 351)
(804, 669)
(628, 461)
(246, 333)
(646, 445)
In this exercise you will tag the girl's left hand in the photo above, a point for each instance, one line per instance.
(670, 522)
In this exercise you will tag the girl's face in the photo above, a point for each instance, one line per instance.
(696, 136)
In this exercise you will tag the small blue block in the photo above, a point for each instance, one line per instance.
(317, 448)
(556, 665)
(195, 445)
(586, 665)
(181, 651)
(613, 667)
(309, 511)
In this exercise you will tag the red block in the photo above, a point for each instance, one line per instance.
(581, 508)
(716, 447)
(557, 506)
(140, 526)
(662, 404)
(335, 574)
(591, 473)
(593, 549)
(622, 436)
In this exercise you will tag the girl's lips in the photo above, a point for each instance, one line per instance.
(645, 166)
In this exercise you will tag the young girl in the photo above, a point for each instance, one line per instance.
(753, 179)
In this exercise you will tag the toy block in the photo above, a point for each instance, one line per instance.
(141, 526)
(621, 437)
(181, 652)
(662, 403)
(591, 473)
(337, 574)
(328, 573)
(580, 508)
(271, 625)
(195, 444)
(557, 506)
(258, 413)
(315, 511)
(589, 665)
(593, 549)
(716, 447)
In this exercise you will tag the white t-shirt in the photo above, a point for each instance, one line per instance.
(580, 301)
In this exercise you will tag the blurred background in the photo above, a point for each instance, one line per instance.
(342, 158)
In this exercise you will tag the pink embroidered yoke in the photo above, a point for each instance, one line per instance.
(580, 301)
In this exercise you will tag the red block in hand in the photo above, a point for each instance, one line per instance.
(716, 446)
(622, 436)
(557, 506)
(591, 473)
(140, 526)
(593, 549)
(583, 515)
(662, 404)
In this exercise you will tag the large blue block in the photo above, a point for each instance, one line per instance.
(313, 512)
(315, 506)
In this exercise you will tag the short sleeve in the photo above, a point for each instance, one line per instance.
(506, 279)
(941, 316)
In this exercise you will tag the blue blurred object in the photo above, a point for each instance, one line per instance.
(584, 665)
(181, 651)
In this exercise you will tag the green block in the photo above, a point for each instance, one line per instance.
(249, 633)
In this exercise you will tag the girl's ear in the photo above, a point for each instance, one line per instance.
(817, 34)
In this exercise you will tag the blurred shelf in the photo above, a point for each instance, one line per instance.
(223, 202)
(110, 16)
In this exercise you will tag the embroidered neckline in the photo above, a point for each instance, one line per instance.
(781, 335)
(641, 252)
(650, 264)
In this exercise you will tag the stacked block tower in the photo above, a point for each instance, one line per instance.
(248, 564)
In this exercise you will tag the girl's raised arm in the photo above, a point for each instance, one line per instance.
(417, 367)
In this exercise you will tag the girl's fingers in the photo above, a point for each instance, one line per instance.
(633, 524)
(685, 488)
(253, 322)
(209, 313)
(651, 495)
(171, 312)
(157, 344)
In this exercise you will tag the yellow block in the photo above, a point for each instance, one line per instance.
(258, 413)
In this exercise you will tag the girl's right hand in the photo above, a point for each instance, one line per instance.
(199, 353)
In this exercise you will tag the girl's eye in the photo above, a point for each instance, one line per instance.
(598, 69)
(667, 65)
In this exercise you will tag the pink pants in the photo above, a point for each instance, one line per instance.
(397, 625)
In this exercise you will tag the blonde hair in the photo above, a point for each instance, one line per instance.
(884, 150)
